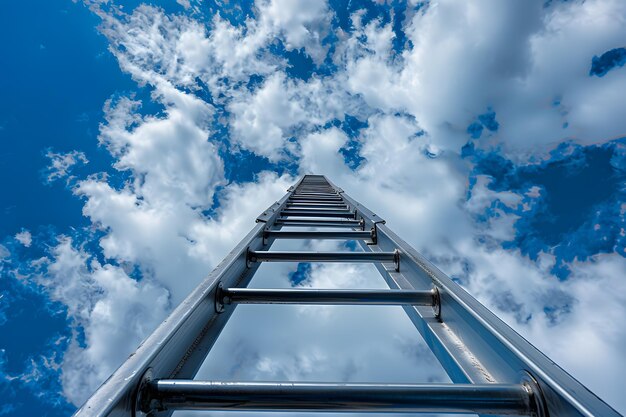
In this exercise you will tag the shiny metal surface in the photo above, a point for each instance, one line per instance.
(318, 213)
(485, 399)
(318, 223)
(306, 234)
(317, 205)
(317, 296)
(321, 199)
(298, 194)
(296, 256)
(297, 209)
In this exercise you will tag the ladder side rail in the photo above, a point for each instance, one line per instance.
(473, 344)
(179, 345)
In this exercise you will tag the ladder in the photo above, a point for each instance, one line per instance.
(493, 369)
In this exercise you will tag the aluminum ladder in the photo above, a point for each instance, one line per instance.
(494, 370)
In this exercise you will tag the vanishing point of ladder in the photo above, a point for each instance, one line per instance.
(494, 370)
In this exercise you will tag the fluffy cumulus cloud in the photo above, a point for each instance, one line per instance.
(98, 299)
(25, 238)
(403, 109)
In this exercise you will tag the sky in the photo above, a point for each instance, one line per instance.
(140, 140)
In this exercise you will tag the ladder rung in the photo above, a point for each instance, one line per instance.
(319, 223)
(494, 399)
(328, 297)
(309, 198)
(348, 235)
(327, 195)
(319, 213)
(316, 201)
(322, 209)
(317, 205)
(320, 186)
(297, 256)
(316, 192)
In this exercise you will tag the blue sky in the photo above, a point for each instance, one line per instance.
(489, 134)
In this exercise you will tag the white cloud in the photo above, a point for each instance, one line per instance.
(517, 59)
(185, 3)
(170, 157)
(320, 153)
(302, 24)
(264, 120)
(61, 164)
(25, 238)
(154, 47)
(260, 120)
(114, 311)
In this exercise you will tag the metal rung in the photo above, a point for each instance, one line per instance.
(324, 186)
(313, 222)
(296, 256)
(327, 195)
(348, 235)
(317, 200)
(305, 197)
(327, 297)
(319, 223)
(315, 192)
(484, 399)
(317, 205)
(343, 209)
(319, 213)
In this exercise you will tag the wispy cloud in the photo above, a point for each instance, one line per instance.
(61, 164)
